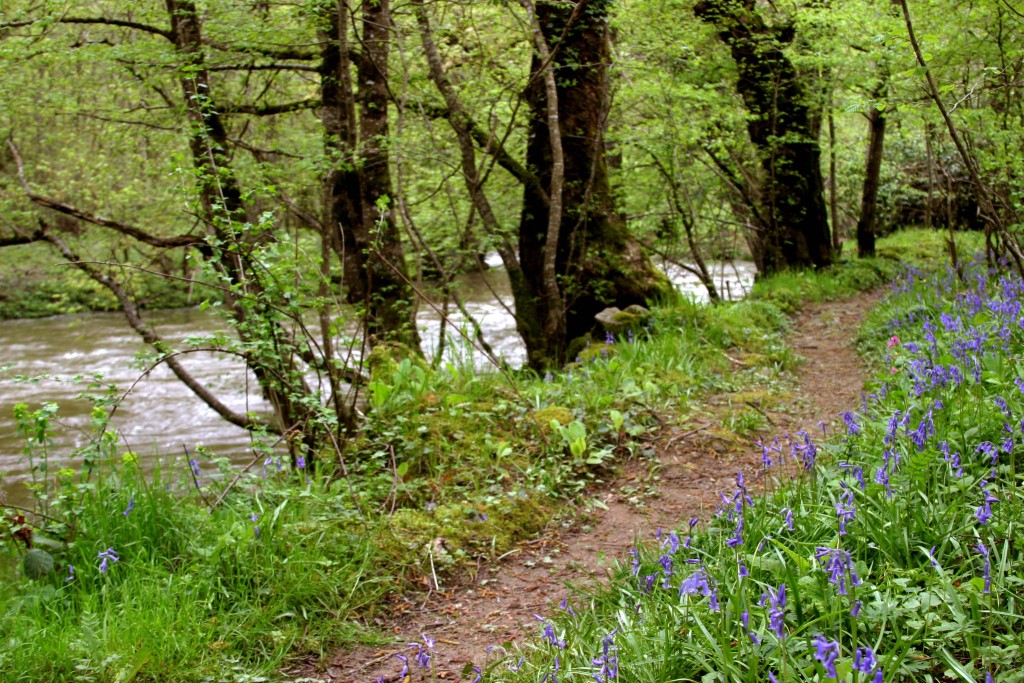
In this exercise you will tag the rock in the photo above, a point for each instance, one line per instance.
(615, 320)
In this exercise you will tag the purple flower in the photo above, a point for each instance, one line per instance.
(107, 556)
(855, 609)
(864, 660)
(984, 511)
(71, 573)
(777, 611)
(839, 566)
(194, 464)
(827, 652)
(131, 506)
(255, 529)
(852, 428)
(787, 516)
(608, 662)
(405, 666)
(479, 674)
(845, 510)
(634, 561)
(423, 651)
(987, 573)
(300, 462)
(549, 633)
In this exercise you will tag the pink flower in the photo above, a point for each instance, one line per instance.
(893, 370)
(893, 341)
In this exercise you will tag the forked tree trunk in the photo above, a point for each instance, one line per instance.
(784, 128)
(597, 262)
(363, 230)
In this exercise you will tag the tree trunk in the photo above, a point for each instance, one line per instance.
(869, 199)
(364, 232)
(784, 128)
(597, 262)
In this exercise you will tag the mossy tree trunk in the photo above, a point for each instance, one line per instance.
(784, 126)
(598, 263)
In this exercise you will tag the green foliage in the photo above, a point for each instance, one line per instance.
(894, 536)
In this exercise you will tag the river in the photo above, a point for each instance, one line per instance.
(159, 417)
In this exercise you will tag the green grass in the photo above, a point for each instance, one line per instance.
(456, 453)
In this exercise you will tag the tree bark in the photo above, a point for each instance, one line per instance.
(358, 186)
(784, 127)
(597, 263)
(866, 224)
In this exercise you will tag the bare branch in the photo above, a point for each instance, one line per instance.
(67, 209)
(134, 318)
(146, 28)
(270, 109)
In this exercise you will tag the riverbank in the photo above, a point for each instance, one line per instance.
(455, 469)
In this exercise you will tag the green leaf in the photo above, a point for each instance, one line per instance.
(37, 563)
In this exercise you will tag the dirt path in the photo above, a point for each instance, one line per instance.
(497, 605)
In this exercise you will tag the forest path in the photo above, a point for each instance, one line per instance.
(683, 480)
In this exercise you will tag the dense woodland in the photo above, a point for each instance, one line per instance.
(282, 159)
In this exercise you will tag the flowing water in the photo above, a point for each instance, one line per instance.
(61, 356)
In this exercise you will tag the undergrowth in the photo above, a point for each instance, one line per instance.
(195, 571)
(893, 555)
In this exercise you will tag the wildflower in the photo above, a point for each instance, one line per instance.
(852, 428)
(845, 510)
(988, 449)
(300, 462)
(855, 609)
(478, 672)
(566, 607)
(131, 506)
(551, 675)
(423, 651)
(931, 556)
(518, 665)
(827, 652)
(405, 666)
(787, 517)
(822, 426)
(549, 633)
(634, 560)
(744, 572)
(548, 378)
(71, 573)
(608, 662)
(737, 537)
(987, 573)
(864, 660)
(609, 338)
(672, 543)
(890, 434)
(194, 464)
(893, 341)
(984, 511)
(772, 678)
(255, 529)
(838, 564)
(106, 557)
(777, 612)
(649, 582)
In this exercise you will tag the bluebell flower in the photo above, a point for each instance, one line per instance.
(131, 505)
(106, 557)
(852, 428)
(405, 666)
(777, 611)
(827, 652)
(855, 609)
(864, 660)
(71, 573)
(608, 662)
(194, 464)
(987, 572)
(549, 632)
(787, 517)
(634, 561)
(839, 565)
(845, 509)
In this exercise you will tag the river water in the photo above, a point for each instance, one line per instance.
(56, 359)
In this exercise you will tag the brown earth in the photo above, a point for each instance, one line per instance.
(691, 466)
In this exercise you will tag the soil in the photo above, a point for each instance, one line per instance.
(691, 466)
